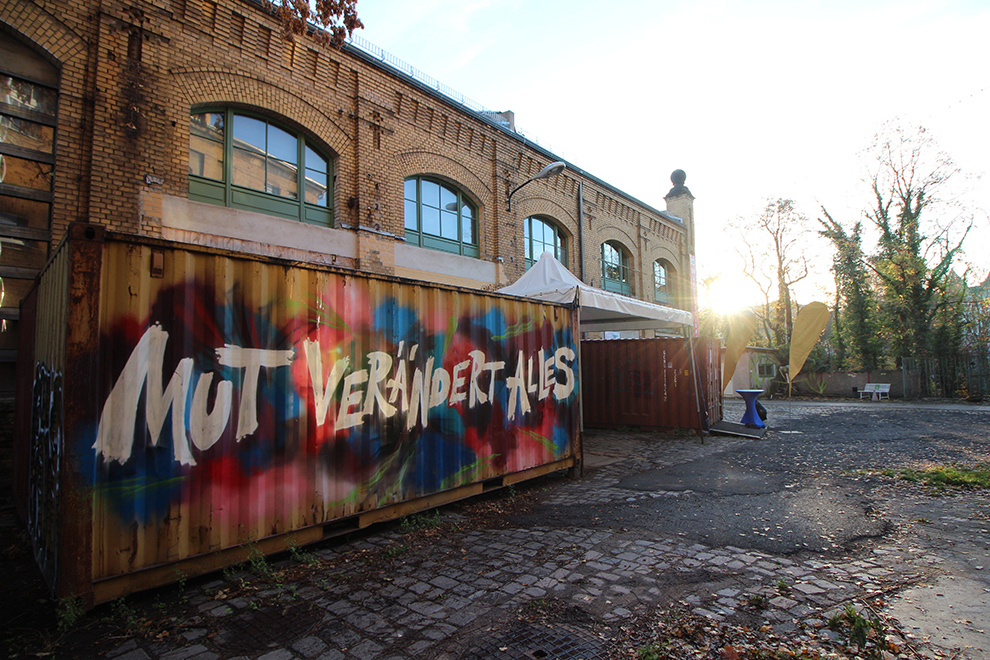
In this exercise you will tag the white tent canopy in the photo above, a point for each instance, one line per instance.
(549, 280)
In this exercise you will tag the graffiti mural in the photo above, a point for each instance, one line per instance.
(228, 416)
(44, 467)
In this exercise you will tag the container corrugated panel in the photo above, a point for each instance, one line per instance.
(243, 399)
(45, 449)
(641, 382)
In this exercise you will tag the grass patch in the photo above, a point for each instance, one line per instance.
(944, 477)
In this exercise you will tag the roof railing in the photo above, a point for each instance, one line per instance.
(431, 82)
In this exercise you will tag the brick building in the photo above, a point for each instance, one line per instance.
(197, 123)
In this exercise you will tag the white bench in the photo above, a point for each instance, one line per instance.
(876, 391)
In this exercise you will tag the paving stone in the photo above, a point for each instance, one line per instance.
(783, 603)
(309, 647)
(280, 654)
(807, 589)
(129, 645)
(136, 654)
(185, 653)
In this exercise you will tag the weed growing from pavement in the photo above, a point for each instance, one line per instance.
(418, 521)
(302, 556)
(70, 610)
(782, 586)
(758, 601)
(868, 633)
(230, 572)
(395, 551)
(648, 652)
(127, 617)
(258, 562)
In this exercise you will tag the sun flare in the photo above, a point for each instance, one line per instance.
(728, 294)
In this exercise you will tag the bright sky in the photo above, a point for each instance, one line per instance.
(754, 99)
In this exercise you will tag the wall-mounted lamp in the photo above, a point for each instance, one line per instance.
(553, 169)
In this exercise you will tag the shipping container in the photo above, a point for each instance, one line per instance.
(651, 383)
(189, 405)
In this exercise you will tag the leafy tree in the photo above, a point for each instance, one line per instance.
(775, 258)
(856, 332)
(338, 18)
(920, 297)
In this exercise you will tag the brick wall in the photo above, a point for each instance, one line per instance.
(132, 71)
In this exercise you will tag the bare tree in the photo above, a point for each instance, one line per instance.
(774, 252)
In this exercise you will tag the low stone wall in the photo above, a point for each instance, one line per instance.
(847, 384)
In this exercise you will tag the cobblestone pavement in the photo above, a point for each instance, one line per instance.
(593, 557)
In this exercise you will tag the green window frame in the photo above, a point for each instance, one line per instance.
(248, 161)
(439, 216)
(661, 281)
(543, 235)
(29, 94)
(615, 268)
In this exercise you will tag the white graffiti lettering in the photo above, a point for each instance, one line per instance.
(349, 397)
(116, 433)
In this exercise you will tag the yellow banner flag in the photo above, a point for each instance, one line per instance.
(808, 326)
(741, 327)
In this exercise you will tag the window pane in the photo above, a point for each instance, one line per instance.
(206, 158)
(24, 253)
(609, 254)
(409, 189)
(249, 170)
(468, 234)
(282, 145)
(431, 193)
(27, 134)
(315, 161)
(14, 291)
(542, 232)
(283, 179)
(431, 220)
(316, 187)
(659, 275)
(207, 125)
(410, 211)
(27, 173)
(448, 200)
(23, 213)
(448, 225)
(22, 94)
(249, 132)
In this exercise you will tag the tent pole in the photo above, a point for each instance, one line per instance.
(698, 391)
(576, 320)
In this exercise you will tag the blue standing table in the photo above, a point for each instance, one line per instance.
(751, 416)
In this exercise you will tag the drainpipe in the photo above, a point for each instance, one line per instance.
(580, 219)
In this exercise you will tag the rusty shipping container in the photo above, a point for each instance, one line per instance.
(650, 383)
(188, 404)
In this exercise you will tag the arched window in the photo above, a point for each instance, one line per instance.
(661, 281)
(246, 161)
(615, 268)
(440, 217)
(29, 89)
(543, 235)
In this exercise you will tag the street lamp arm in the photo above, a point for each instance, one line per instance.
(553, 169)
